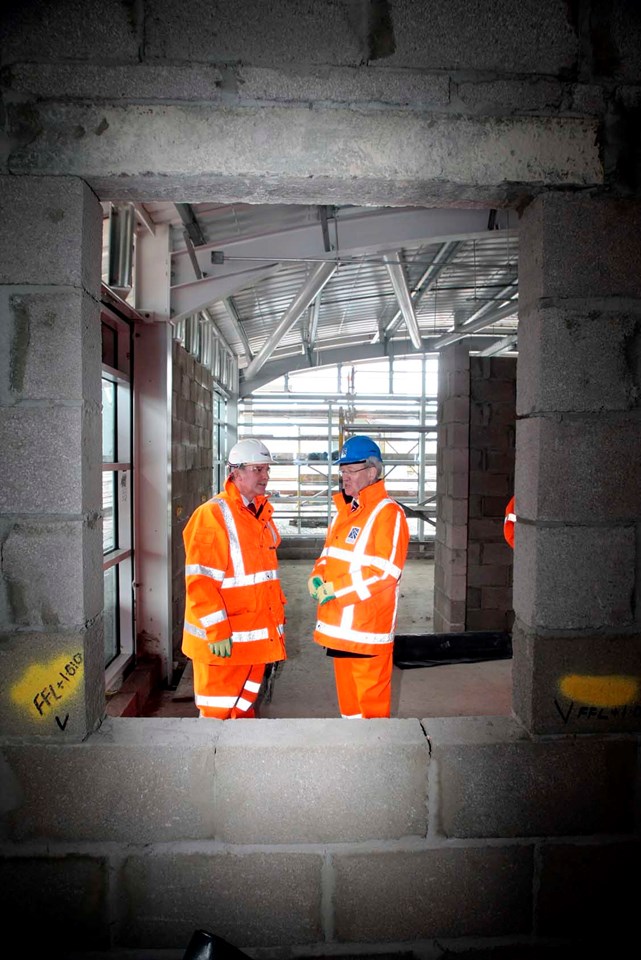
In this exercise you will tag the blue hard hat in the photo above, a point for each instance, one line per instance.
(358, 449)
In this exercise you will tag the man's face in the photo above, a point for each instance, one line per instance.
(355, 477)
(252, 479)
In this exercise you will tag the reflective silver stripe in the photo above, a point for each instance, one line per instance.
(396, 596)
(385, 566)
(369, 524)
(223, 702)
(367, 560)
(339, 554)
(198, 570)
(358, 636)
(213, 618)
(240, 578)
(358, 584)
(247, 636)
(361, 544)
(194, 631)
(352, 716)
(235, 553)
(358, 558)
(390, 568)
(251, 687)
(359, 548)
(510, 516)
(250, 579)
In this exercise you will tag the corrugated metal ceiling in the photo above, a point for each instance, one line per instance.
(358, 303)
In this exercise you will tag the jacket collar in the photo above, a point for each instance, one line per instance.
(234, 494)
(367, 497)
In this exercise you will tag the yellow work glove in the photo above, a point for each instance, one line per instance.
(221, 648)
(325, 593)
(313, 584)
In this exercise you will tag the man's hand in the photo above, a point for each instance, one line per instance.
(325, 593)
(221, 648)
(313, 584)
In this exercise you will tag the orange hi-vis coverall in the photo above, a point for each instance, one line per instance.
(363, 557)
(508, 523)
(232, 590)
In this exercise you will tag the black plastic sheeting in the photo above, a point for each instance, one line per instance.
(207, 946)
(436, 649)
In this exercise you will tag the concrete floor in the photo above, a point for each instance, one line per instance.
(303, 685)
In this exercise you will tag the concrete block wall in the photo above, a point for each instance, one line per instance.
(475, 478)
(491, 484)
(577, 633)
(51, 583)
(452, 489)
(319, 837)
(191, 464)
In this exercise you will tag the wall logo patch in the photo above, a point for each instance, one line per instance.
(353, 533)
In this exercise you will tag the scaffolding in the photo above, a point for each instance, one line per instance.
(305, 432)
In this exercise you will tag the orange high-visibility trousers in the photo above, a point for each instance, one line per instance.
(227, 693)
(364, 685)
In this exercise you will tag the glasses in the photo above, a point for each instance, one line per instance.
(344, 472)
(262, 468)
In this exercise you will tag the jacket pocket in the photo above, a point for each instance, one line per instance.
(240, 600)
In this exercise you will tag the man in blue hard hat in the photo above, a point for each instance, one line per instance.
(355, 582)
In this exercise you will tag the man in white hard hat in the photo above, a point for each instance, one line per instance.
(235, 608)
(355, 582)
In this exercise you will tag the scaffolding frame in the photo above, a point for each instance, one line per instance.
(304, 433)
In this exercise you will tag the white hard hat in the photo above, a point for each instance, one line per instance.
(249, 451)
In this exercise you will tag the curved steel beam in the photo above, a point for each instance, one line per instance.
(399, 282)
(301, 301)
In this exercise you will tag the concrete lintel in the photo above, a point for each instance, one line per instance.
(280, 146)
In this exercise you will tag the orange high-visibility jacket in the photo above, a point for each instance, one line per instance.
(232, 583)
(363, 557)
(508, 523)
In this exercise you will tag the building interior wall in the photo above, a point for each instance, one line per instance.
(294, 838)
(192, 467)
(488, 599)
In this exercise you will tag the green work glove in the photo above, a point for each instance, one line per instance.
(313, 584)
(221, 648)
(325, 593)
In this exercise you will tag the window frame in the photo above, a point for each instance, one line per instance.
(121, 556)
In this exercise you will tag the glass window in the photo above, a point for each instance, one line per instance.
(407, 375)
(372, 377)
(109, 511)
(117, 535)
(108, 421)
(111, 619)
(304, 432)
(317, 380)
